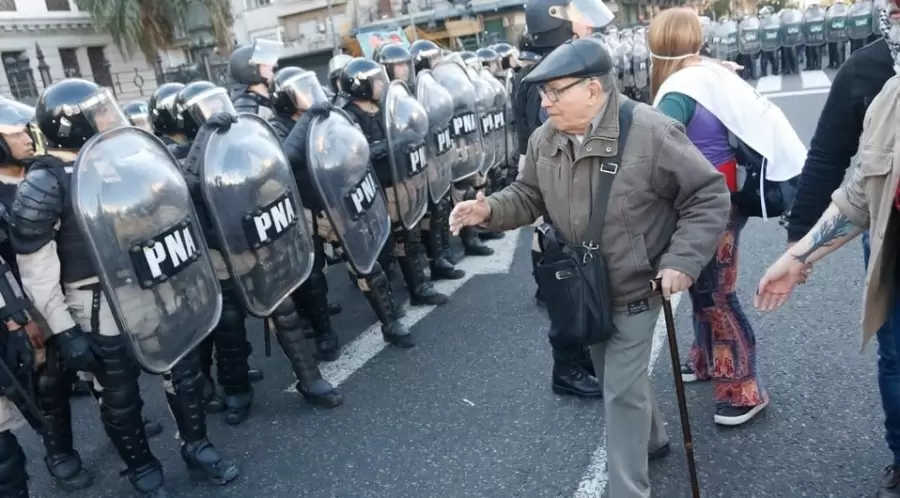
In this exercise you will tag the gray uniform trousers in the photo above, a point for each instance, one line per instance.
(634, 425)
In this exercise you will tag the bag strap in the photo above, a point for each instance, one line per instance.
(609, 168)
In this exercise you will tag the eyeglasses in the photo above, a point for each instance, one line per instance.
(553, 94)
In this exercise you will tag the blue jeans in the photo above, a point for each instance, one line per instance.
(889, 369)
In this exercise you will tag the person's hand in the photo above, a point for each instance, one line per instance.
(222, 121)
(19, 350)
(673, 282)
(734, 66)
(807, 268)
(469, 213)
(779, 280)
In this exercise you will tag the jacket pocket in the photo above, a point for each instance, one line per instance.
(639, 253)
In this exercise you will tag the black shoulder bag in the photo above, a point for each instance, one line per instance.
(573, 278)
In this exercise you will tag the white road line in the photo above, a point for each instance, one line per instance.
(797, 93)
(595, 478)
(814, 79)
(768, 84)
(368, 344)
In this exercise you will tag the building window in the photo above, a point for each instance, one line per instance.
(69, 59)
(255, 4)
(57, 5)
(20, 76)
(7, 5)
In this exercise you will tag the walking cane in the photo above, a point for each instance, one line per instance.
(656, 286)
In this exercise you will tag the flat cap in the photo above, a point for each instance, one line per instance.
(579, 58)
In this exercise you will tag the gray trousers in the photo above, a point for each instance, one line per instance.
(634, 425)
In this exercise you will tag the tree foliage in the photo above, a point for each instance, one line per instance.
(150, 26)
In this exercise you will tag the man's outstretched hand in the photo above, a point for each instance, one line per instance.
(469, 213)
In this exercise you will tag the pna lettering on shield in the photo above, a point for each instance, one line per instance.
(165, 255)
(363, 194)
(463, 124)
(274, 220)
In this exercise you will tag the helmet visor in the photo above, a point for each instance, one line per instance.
(14, 116)
(266, 52)
(591, 13)
(102, 111)
(304, 91)
(141, 120)
(208, 103)
(379, 81)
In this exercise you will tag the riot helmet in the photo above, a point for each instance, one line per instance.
(425, 54)
(335, 66)
(362, 79)
(162, 109)
(489, 58)
(138, 114)
(508, 55)
(73, 110)
(294, 89)
(15, 139)
(254, 64)
(551, 22)
(197, 102)
(397, 61)
(468, 56)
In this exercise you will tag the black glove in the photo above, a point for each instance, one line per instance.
(322, 109)
(378, 150)
(222, 121)
(77, 350)
(19, 351)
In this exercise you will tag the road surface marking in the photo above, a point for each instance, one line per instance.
(814, 79)
(768, 84)
(595, 478)
(797, 93)
(368, 344)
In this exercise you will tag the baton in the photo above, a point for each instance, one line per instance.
(656, 286)
(267, 331)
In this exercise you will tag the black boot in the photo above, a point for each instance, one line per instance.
(213, 400)
(312, 299)
(412, 266)
(232, 353)
(53, 391)
(255, 375)
(572, 380)
(381, 299)
(151, 427)
(483, 235)
(120, 411)
(473, 244)
(441, 268)
(295, 336)
(201, 458)
(13, 474)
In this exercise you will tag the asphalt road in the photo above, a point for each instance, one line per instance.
(469, 413)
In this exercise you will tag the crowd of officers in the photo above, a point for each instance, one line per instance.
(60, 329)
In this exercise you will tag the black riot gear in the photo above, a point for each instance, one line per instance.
(282, 101)
(549, 22)
(391, 55)
(138, 114)
(425, 54)
(247, 63)
(507, 53)
(14, 118)
(197, 102)
(335, 67)
(489, 58)
(580, 58)
(162, 109)
(73, 110)
(362, 79)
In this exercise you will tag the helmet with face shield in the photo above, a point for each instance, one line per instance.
(397, 61)
(335, 66)
(138, 114)
(295, 90)
(508, 55)
(15, 118)
(425, 54)
(162, 109)
(550, 22)
(254, 64)
(489, 58)
(363, 79)
(73, 110)
(197, 102)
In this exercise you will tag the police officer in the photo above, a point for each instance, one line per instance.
(52, 378)
(252, 68)
(138, 114)
(550, 23)
(44, 234)
(335, 66)
(364, 82)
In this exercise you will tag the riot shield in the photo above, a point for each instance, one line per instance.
(465, 127)
(640, 58)
(484, 99)
(256, 214)
(770, 31)
(792, 28)
(731, 38)
(406, 130)
(859, 24)
(498, 116)
(836, 23)
(814, 26)
(512, 137)
(719, 45)
(438, 105)
(132, 203)
(748, 36)
(354, 202)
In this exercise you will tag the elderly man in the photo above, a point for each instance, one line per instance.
(666, 208)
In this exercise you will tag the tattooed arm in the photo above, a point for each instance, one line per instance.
(832, 231)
